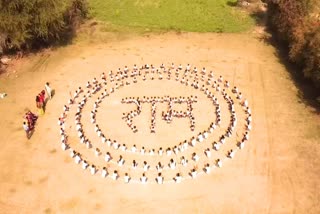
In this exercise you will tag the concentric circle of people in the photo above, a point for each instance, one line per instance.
(201, 80)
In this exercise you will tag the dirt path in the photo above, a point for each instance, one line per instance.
(277, 172)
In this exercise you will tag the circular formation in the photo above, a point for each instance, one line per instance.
(186, 159)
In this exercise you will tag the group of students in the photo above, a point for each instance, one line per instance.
(180, 148)
(31, 118)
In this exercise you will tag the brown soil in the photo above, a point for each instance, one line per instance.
(277, 172)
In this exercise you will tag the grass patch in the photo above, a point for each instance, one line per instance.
(177, 15)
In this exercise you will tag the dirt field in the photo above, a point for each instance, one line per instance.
(277, 171)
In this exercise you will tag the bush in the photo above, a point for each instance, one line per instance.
(27, 24)
(292, 24)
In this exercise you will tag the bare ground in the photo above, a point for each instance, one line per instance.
(278, 171)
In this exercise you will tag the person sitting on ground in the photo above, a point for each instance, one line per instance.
(160, 152)
(195, 157)
(231, 154)
(104, 172)
(159, 178)
(77, 158)
(143, 179)
(134, 164)
(216, 146)
(84, 164)
(172, 164)
(120, 161)
(219, 163)
(207, 152)
(207, 168)
(142, 151)
(178, 178)
(145, 166)
(193, 173)
(115, 175)
(126, 178)
(107, 157)
(93, 169)
(134, 148)
(159, 167)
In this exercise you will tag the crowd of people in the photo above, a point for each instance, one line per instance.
(190, 77)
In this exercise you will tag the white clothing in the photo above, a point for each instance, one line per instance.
(178, 179)
(127, 178)
(84, 164)
(93, 170)
(159, 180)
(219, 163)
(77, 159)
(104, 173)
(107, 157)
(115, 176)
(143, 179)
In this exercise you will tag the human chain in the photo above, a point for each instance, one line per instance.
(166, 116)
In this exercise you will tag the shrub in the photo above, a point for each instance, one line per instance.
(32, 23)
(291, 22)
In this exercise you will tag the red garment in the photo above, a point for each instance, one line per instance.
(42, 97)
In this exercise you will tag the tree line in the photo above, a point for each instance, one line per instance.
(296, 23)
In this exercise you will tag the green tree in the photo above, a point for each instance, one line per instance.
(28, 23)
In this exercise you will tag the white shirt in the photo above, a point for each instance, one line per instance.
(72, 153)
(114, 176)
(159, 180)
(142, 151)
(172, 165)
(216, 146)
(178, 179)
(25, 127)
(93, 170)
(48, 89)
(104, 173)
(195, 158)
(193, 174)
(207, 169)
(143, 179)
(208, 153)
(184, 161)
(77, 159)
(134, 149)
(231, 154)
(126, 178)
(145, 167)
(205, 135)
(107, 158)
(120, 162)
(115, 145)
(84, 164)
(219, 164)
(241, 145)
(193, 142)
(63, 146)
(200, 138)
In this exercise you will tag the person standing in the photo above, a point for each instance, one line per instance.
(48, 90)
(26, 129)
(42, 97)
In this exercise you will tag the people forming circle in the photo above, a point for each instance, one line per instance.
(168, 165)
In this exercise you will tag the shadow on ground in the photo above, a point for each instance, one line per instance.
(307, 92)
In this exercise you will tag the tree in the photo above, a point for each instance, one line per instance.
(29, 23)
